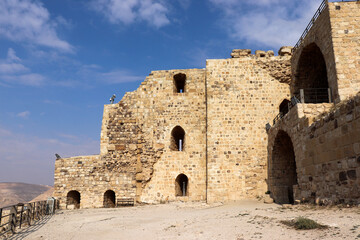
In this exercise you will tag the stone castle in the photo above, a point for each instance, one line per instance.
(251, 126)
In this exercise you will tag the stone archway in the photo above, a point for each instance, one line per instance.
(181, 185)
(311, 76)
(109, 199)
(282, 169)
(73, 200)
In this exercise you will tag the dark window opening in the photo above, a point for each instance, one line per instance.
(73, 199)
(311, 83)
(284, 107)
(181, 186)
(282, 169)
(109, 199)
(177, 139)
(179, 83)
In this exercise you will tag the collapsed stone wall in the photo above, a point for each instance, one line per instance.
(327, 151)
(243, 94)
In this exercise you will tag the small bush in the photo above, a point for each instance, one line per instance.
(302, 223)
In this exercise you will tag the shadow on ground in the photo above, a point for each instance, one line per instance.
(26, 231)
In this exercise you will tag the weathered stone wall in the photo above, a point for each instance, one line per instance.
(242, 96)
(136, 134)
(326, 144)
(345, 31)
(89, 176)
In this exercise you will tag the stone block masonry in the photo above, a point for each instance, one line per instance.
(206, 134)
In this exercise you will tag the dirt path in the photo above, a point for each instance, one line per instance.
(243, 220)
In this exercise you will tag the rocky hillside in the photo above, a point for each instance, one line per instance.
(13, 193)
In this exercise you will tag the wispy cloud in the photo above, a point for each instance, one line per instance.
(28, 21)
(154, 12)
(24, 114)
(38, 166)
(271, 23)
(12, 71)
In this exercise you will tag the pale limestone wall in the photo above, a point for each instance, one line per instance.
(242, 96)
(169, 110)
(86, 174)
(327, 151)
(345, 31)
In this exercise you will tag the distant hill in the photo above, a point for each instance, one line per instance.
(13, 193)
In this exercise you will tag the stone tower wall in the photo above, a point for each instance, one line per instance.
(345, 30)
(243, 94)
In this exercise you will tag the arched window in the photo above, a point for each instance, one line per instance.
(179, 83)
(181, 185)
(73, 200)
(109, 199)
(284, 107)
(311, 81)
(177, 139)
(282, 169)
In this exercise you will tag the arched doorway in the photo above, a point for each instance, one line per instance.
(109, 199)
(282, 169)
(177, 139)
(181, 185)
(73, 200)
(311, 79)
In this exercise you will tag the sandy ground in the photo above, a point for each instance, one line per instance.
(239, 221)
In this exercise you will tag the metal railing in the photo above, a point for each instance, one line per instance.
(312, 21)
(291, 104)
(314, 95)
(306, 95)
(16, 216)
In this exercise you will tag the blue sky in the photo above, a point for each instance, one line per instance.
(61, 60)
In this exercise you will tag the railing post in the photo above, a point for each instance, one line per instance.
(0, 215)
(21, 214)
(302, 97)
(329, 94)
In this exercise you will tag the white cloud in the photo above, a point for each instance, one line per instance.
(271, 23)
(31, 79)
(28, 21)
(12, 71)
(25, 114)
(154, 12)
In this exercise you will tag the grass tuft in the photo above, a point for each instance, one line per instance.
(302, 223)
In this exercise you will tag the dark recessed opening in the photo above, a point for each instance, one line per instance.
(181, 185)
(73, 198)
(179, 83)
(177, 139)
(109, 199)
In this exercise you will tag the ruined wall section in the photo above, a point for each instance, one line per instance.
(345, 30)
(242, 95)
(168, 109)
(327, 150)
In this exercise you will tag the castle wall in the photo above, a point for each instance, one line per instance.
(168, 110)
(243, 94)
(88, 175)
(326, 145)
(345, 31)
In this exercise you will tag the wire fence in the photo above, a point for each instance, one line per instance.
(24, 214)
